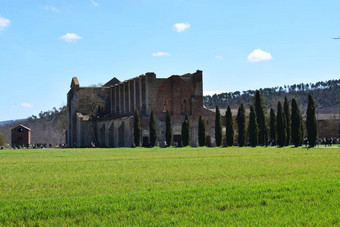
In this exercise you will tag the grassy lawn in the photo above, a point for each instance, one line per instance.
(172, 186)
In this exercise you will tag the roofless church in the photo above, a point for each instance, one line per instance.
(112, 125)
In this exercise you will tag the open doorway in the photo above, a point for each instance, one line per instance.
(177, 140)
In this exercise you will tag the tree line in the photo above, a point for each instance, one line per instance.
(326, 94)
(286, 126)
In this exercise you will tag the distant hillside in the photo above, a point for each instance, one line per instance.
(5, 122)
(326, 95)
(49, 127)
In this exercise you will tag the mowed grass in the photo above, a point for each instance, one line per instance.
(172, 186)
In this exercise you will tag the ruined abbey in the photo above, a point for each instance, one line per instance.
(112, 124)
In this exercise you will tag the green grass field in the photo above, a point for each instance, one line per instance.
(172, 186)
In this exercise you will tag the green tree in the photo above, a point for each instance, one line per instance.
(90, 102)
(312, 131)
(201, 132)
(168, 129)
(152, 131)
(272, 126)
(229, 127)
(302, 130)
(252, 128)
(297, 134)
(260, 118)
(186, 131)
(288, 121)
(136, 129)
(218, 127)
(3, 140)
(241, 121)
(280, 126)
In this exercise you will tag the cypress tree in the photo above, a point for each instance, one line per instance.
(296, 124)
(241, 121)
(168, 129)
(302, 130)
(280, 126)
(186, 131)
(136, 129)
(311, 122)
(152, 129)
(218, 127)
(288, 121)
(272, 126)
(229, 127)
(260, 118)
(201, 132)
(252, 127)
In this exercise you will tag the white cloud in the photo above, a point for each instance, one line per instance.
(160, 54)
(51, 8)
(4, 22)
(211, 93)
(70, 37)
(259, 55)
(26, 105)
(219, 57)
(94, 3)
(180, 27)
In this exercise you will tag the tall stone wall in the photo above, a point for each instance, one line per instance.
(180, 95)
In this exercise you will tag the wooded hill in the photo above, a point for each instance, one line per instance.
(48, 127)
(326, 96)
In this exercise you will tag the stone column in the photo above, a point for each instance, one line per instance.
(129, 96)
(146, 96)
(118, 100)
(111, 111)
(113, 98)
(121, 97)
(134, 94)
(140, 95)
(127, 100)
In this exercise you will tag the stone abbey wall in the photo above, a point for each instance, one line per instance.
(113, 127)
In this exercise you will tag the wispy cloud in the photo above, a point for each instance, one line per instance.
(70, 37)
(219, 57)
(160, 54)
(26, 105)
(51, 8)
(4, 22)
(96, 4)
(211, 93)
(259, 55)
(180, 27)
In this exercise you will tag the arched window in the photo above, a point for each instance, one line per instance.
(165, 105)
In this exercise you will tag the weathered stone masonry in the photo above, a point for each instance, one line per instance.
(114, 124)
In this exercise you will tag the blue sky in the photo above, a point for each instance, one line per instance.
(239, 45)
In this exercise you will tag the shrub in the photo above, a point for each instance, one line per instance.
(229, 127)
(201, 132)
(152, 129)
(218, 127)
(136, 129)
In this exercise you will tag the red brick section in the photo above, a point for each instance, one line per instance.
(172, 95)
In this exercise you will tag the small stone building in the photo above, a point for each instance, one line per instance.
(20, 136)
(113, 124)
